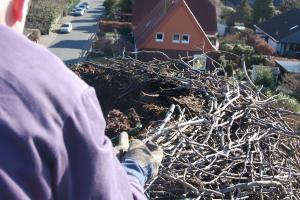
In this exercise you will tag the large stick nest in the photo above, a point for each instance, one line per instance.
(222, 140)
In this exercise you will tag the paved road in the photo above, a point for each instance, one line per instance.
(71, 47)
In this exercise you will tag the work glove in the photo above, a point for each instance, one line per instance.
(142, 160)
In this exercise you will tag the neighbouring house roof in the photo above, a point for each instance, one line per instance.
(204, 11)
(290, 66)
(293, 38)
(283, 26)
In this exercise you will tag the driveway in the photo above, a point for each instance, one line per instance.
(72, 47)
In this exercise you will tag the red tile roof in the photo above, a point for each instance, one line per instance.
(203, 10)
(152, 20)
(141, 8)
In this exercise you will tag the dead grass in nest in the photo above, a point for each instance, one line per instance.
(193, 103)
(116, 123)
(154, 110)
(293, 121)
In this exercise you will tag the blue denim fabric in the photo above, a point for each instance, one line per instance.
(133, 168)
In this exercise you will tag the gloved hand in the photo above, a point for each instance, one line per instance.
(142, 160)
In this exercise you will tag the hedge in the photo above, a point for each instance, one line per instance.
(111, 26)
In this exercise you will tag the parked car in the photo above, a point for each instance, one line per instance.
(72, 11)
(86, 5)
(82, 6)
(79, 12)
(66, 28)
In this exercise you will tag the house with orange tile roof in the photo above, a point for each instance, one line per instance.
(175, 27)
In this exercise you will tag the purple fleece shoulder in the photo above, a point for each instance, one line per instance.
(52, 142)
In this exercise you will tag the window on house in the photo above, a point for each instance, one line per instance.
(159, 37)
(185, 38)
(176, 38)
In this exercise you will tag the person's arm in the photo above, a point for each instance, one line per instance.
(94, 171)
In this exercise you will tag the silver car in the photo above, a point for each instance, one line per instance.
(79, 12)
(66, 28)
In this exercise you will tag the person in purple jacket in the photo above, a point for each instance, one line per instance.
(52, 142)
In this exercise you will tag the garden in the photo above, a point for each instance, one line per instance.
(115, 34)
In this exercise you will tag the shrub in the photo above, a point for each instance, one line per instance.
(254, 60)
(120, 45)
(247, 32)
(111, 26)
(262, 47)
(251, 40)
(240, 49)
(232, 38)
(288, 103)
(101, 34)
(105, 45)
(109, 4)
(264, 76)
(125, 6)
(229, 69)
(35, 34)
(72, 2)
(291, 84)
(293, 81)
(226, 47)
(239, 74)
(125, 30)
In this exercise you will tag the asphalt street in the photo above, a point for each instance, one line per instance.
(71, 47)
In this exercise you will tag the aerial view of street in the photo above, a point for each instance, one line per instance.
(71, 47)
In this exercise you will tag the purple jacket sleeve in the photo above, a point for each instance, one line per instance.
(93, 170)
(52, 142)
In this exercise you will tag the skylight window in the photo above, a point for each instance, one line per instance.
(159, 37)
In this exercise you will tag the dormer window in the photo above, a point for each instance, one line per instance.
(159, 37)
(185, 38)
(176, 38)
